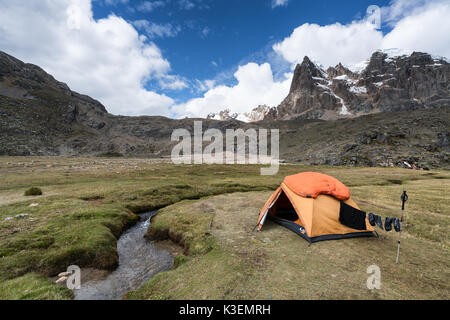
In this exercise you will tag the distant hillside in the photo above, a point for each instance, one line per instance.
(41, 116)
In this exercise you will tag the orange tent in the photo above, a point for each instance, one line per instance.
(316, 207)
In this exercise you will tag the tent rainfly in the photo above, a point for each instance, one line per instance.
(317, 207)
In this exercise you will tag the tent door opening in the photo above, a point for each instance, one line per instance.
(283, 209)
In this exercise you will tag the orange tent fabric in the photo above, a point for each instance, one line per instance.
(311, 184)
(309, 204)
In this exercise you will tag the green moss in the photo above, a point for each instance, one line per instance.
(179, 259)
(33, 191)
(189, 229)
(81, 234)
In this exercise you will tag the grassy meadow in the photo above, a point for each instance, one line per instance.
(210, 210)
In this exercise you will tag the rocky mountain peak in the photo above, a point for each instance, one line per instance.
(223, 115)
(340, 70)
(391, 80)
(304, 74)
(261, 112)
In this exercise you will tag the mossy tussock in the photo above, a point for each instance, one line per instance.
(80, 234)
(33, 191)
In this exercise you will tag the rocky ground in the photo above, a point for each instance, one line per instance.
(414, 139)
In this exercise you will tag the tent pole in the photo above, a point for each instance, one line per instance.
(404, 198)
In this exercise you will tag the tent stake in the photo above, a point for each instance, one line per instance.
(404, 198)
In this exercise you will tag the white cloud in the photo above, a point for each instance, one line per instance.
(278, 3)
(106, 59)
(172, 83)
(204, 32)
(330, 44)
(255, 86)
(205, 85)
(154, 30)
(399, 9)
(186, 4)
(191, 4)
(426, 30)
(148, 6)
(417, 25)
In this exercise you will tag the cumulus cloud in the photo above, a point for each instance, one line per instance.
(106, 59)
(416, 25)
(330, 44)
(426, 29)
(255, 86)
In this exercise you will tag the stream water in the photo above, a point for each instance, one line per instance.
(139, 260)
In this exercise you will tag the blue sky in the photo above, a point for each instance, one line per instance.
(211, 38)
(180, 58)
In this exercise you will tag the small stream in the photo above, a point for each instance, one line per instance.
(139, 260)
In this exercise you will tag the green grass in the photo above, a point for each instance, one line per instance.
(88, 202)
(33, 287)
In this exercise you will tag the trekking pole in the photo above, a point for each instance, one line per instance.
(404, 198)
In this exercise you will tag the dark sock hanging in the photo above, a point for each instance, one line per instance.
(388, 224)
(371, 217)
(397, 225)
(378, 221)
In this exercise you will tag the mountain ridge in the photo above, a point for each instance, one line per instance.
(391, 80)
(40, 116)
